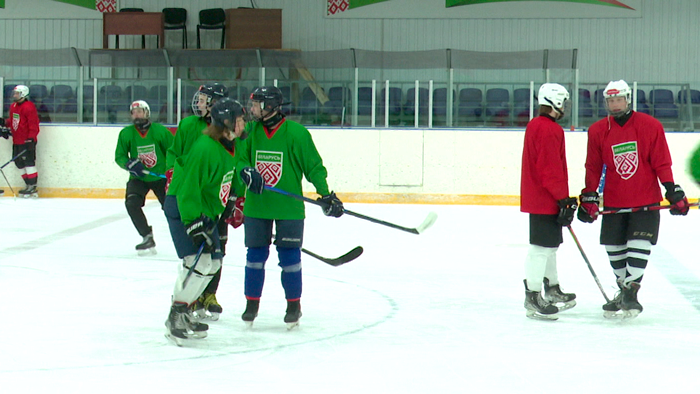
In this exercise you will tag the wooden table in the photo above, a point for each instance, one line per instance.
(248, 28)
(133, 23)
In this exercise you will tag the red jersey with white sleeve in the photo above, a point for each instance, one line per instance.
(544, 179)
(24, 122)
(636, 156)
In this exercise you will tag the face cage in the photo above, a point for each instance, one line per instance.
(195, 104)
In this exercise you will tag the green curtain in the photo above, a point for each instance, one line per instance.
(360, 3)
(614, 3)
(80, 3)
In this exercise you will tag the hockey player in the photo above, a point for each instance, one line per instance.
(544, 194)
(24, 129)
(633, 147)
(188, 131)
(141, 149)
(198, 194)
(278, 152)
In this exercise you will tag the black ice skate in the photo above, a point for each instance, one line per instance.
(630, 305)
(536, 306)
(611, 307)
(212, 306)
(251, 312)
(147, 247)
(293, 314)
(179, 326)
(29, 191)
(555, 296)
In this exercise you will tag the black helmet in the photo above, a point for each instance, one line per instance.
(270, 97)
(214, 91)
(226, 109)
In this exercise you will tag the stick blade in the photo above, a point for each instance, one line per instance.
(427, 223)
(346, 258)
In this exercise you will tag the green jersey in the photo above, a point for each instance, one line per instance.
(188, 131)
(150, 148)
(282, 157)
(202, 180)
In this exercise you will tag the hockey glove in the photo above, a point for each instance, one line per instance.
(588, 210)
(252, 180)
(237, 218)
(567, 209)
(5, 132)
(201, 232)
(135, 168)
(676, 196)
(333, 206)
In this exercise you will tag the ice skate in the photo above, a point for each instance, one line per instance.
(180, 326)
(536, 306)
(251, 312)
(630, 305)
(147, 247)
(611, 307)
(293, 314)
(555, 296)
(212, 306)
(29, 191)
(2, 192)
(197, 309)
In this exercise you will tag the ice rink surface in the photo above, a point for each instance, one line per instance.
(440, 312)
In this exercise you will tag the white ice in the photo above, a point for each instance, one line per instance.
(440, 312)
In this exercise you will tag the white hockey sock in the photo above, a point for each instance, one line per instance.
(536, 265)
(617, 254)
(550, 271)
(638, 252)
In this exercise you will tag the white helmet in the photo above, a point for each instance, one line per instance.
(553, 95)
(141, 104)
(618, 89)
(23, 91)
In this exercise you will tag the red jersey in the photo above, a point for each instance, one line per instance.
(24, 122)
(544, 178)
(636, 156)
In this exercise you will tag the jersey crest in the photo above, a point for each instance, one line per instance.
(269, 165)
(147, 155)
(15, 121)
(225, 189)
(626, 159)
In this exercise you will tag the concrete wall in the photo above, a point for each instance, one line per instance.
(365, 165)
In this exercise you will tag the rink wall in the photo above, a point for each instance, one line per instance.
(441, 166)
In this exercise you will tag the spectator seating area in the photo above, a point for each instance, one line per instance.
(472, 105)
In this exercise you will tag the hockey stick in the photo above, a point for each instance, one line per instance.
(13, 159)
(588, 263)
(191, 269)
(338, 261)
(154, 174)
(429, 220)
(643, 209)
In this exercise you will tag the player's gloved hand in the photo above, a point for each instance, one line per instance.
(5, 132)
(333, 206)
(168, 178)
(567, 209)
(676, 196)
(237, 217)
(588, 210)
(252, 179)
(135, 168)
(201, 232)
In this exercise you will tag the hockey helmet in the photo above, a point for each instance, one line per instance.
(23, 91)
(553, 95)
(269, 97)
(227, 109)
(211, 92)
(618, 89)
(143, 105)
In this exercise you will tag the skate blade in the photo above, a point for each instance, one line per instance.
(30, 196)
(293, 325)
(173, 339)
(631, 314)
(248, 324)
(213, 316)
(198, 334)
(566, 305)
(147, 252)
(538, 316)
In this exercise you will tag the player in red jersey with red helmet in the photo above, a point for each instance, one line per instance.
(633, 147)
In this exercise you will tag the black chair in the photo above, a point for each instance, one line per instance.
(176, 19)
(143, 38)
(212, 19)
